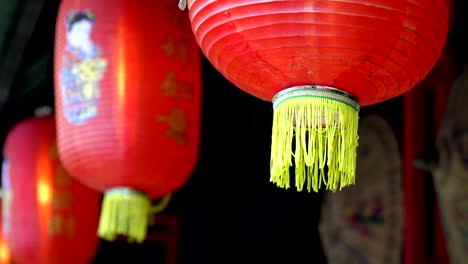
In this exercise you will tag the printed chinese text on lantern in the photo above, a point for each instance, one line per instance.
(128, 99)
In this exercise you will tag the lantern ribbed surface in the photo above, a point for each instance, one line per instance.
(128, 95)
(372, 50)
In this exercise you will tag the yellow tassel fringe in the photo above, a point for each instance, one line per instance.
(319, 128)
(124, 212)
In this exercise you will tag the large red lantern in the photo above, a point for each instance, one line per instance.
(318, 62)
(47, 216)
(128, 90)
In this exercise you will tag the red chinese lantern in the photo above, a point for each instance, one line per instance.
(128, 90)
(4, 250)
(47, 216)
(318, 62)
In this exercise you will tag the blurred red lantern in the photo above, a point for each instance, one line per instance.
(318, 62)
(128, 90)
(4, 250)
(47, 216)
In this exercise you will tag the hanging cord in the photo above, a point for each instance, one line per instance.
(161, 205)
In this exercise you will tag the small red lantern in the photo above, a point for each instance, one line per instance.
(47, 216)
(319, 61)
(128, 90)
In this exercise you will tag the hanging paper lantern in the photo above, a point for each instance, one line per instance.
(128, 90)
(47, 216)
(4, 250)
(319, 62)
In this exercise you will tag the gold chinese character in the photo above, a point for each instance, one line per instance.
(175, 49)
(53, 151)
(61, 176)
(60, 224)
(177, 122)
(62, 199)
(70, 226)
(55, 225)
(172, 88)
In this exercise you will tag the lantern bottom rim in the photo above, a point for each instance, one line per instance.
(318, 91)
(126, 191)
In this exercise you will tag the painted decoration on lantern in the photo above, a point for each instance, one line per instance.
(62, 220)
(82, 69)
(171, 87)
(177, 122)
(175, 48)
(149, 99)
(174, 88)
(6, 196)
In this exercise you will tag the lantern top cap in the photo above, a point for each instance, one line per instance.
(316, 91)
(182, 4)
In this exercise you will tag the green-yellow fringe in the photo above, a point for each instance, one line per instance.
(124, 212)
(317, 146)
(127, 212)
